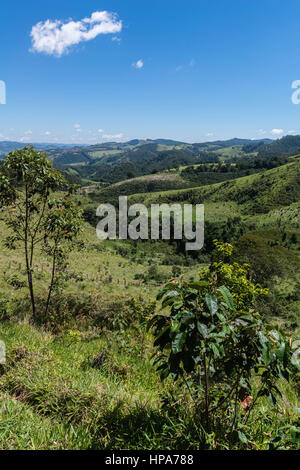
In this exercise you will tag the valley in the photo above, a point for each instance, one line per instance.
(85, 366)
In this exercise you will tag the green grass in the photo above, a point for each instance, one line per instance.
(257, 193)
(88, 386)
(52, 397)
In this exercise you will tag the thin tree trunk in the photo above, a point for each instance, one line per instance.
(206, 392)
(51, 283)
(28, 266)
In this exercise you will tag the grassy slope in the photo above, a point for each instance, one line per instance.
(261, 192)
(142, 184)
(51, 397)
(99, 268)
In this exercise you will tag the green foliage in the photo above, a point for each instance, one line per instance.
(35, 220)
(288, 145)
(265, 261)
(233, 275)
(4, 308)
(213, 338)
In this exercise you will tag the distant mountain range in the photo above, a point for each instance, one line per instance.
(7, 146)
(110, 162)
(110, 152)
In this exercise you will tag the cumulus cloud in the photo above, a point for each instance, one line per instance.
(100, 131)
(53, 37)
(139, 64)
(277, 131)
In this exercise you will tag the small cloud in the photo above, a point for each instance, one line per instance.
(47, 133)
(291, 132)
(113, 136)
(100, 131)
(261, 132)
(191, 64)
(209, 134)
(77, 127)
(139, 64)
(29, 132)
(277, 131)
(53, 37)
(116, 39)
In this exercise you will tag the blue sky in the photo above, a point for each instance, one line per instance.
(191, 70)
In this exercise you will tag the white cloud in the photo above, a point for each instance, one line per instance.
(56, 38)
(116, 39)
(29, 132)
(100, 131)
(47, 133)
(77, 127)
(261, 132)
(291, 132)
(277, 131)
(139, 64)
(113, 136)
(209, 134)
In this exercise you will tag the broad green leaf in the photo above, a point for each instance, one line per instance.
(212, 303)
(275, 335)
(202, 329)
(215, 350)
(178, 342)
(242, 437)
(227, 297)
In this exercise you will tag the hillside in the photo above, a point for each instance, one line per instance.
(117, 152)
(143, 184)
(82, 375)
(8, 146)
(288, 145)
(257, 193)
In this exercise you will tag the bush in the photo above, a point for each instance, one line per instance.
(81, 311)
(265, 261)
(214, 340)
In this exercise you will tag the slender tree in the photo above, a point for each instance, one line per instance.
(27, 180)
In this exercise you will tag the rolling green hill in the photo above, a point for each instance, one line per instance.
(143, 184)
(257, 193)
(81, 377)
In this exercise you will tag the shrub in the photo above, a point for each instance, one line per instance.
(214, 340)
